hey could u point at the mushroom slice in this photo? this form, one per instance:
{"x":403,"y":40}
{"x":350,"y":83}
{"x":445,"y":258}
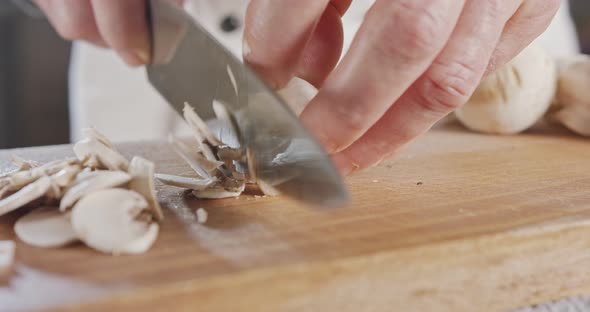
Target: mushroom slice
{"x":107,"y":220}
{"x":216,"y":193}
{"x":26,"y":195}
{"x":183,"y":182}
{"x":23,"y":164}
{"x":102,"y":180}
{"x":201,"y":165}
{"x":7,"y":249}
{"x":227,"y":132}
{"x":199,"y":126}
{"x":92,"y":133}
{"x":45,"y":227}
{"x":222,"y":189}
{"x":17,"y":180}
{"x":99,"y":156}
{"x":66,"y":176}
{"x":267,"y":189}
{"x":145,"y":242}
{"x":4,"y":191}
{"x":142,"y":173}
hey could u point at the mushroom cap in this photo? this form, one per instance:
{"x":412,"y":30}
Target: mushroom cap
{"x":100,"y":180}
{"x":572,"y":102}
{"x":45,"y":227}
{"x":513,"y":98}
{"x":142,"y":172}
{"x":107,"y":220}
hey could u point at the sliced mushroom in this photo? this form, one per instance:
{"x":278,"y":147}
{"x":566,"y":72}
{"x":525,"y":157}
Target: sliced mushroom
{"x":45,"y":227}
{"x":201,"y":132}
{"x":216,"y":193}
{"x":232,"y":78}
{"x":227,"y":131}
{"x":97,"y":155}
{"x":572,"y":102}
{"x":102,"y":180}
{"x":145,"y":242}
{"x":267,"y":189}
{"x":26,"y":195}
{"x":66,"y":176}
{"x":184,"y":182}
{"x":226,"y":188}
{"x":200,"y":164}
{"x":142,"y":173}
{"x":4,"y":191}
{"x":92,"y":133}
{"x":7,"y":252}
{"x":23,"y":164}
{"x":17,"y":180}
{"x":513,"y":98}
{"x":107,"y":221}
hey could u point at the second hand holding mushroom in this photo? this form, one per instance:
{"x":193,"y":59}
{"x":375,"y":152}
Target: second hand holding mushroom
{"x":410,"y":64}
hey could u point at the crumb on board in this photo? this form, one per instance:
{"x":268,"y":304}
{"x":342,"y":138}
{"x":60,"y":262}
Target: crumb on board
{"x":420,"y":183}
{"x":202,"y":215}
{"x":7,"y":248}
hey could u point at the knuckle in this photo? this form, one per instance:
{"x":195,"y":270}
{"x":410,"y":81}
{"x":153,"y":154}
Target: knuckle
{"x":353,"y":117}
{"x":448,"y":86}
{"x":352,"y":122}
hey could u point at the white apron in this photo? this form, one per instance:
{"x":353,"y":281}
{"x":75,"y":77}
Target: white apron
{"x":118,"y":100}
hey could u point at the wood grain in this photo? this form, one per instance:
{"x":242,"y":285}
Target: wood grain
{"x":457,"y":221}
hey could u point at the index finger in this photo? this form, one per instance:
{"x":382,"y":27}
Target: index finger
{"x":395,"y":45}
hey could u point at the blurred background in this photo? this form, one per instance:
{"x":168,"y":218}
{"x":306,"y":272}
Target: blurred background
{"x":34,"y":69}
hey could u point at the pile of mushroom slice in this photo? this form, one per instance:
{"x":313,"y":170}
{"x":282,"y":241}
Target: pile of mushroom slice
{"x":98,"y":198}
{"x":222,"y":166}
{"x":534,"y":86}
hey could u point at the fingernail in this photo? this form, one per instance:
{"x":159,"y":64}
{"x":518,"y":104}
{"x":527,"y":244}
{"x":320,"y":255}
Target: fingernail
{"x":131,"y":58}
{"x":144,"y":56}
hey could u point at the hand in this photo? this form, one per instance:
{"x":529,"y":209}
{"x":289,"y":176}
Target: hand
{"x":118,"y":24}
{"x":411,"y":63}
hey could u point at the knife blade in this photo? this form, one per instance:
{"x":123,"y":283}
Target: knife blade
{"x":190,"y":65}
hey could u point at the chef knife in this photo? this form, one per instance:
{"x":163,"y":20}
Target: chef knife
{"x":190,"y":65}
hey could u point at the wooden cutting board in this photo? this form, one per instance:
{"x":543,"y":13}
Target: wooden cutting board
{"x":458,"y":222}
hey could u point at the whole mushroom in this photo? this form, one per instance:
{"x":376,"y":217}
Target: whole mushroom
{"x":572,"y":101}
{"x":513,"y":98}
